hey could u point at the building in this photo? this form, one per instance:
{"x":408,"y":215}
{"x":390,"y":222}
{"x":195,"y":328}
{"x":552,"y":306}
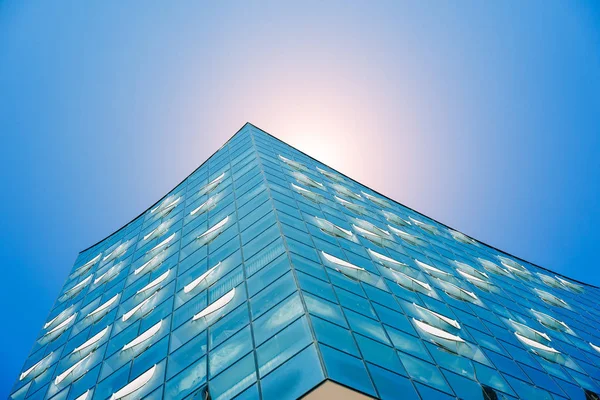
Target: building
{"x":266,"y":274}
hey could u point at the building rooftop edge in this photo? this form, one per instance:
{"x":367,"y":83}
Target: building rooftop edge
{"x":346,"y":176}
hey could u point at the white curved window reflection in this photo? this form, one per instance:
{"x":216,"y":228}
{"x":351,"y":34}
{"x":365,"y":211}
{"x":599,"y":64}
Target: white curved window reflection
{"x":60,"y":317}
{"x":348,"y":269}
{"x":212,"y":185}
{"x":75,"y":289}
{"x":144,"y":336}
{"x":355,"y":208}
{"x":433,"y":271}
{"x":458,"y":293}
{"x":343,"y":190}
{"x":548,"y":280}
{"x":340,"y":262}
{"x":38,"y":367}
{"x":407,"y":237}
{"x":167,"y":205}
{"x":436,"y":319}
{"x":492,"y":267}
{"x":570,"y":285}
{"x":58,"y":330}
{"x":387,"y":261}
{"x":427,"y":227}
{"x":332,"y":229}
{"x":117,"y":252}
{"x":308,"y":194}
{"x":164,"y":244}
{"x":597,"y":348}
{"x":551,"y":299}
{"x":134,"y":385}
{"x":155,"y":284}
{"x":92,"y":343}
{"x":432,"y":330}
{"x":515,"y":267}
{"x":104,"y":309}
{"x":536,"y":345}
{"x":376,"y":200}
{"x":293,"y":164}
{"x":109,"y":275}
{"x":395,"y":219}
{"x":206,"y":206}
{"x":85,"y":267}
{"x":191,"y":286}
{"x":331,"y":175}
{"x":85,"y":395}
{"x":307,"y":181}
{"x":461,"y":237}
{"x":362,"y":226}
{"x":478,"y":282}
{"x":550,"y":322}
{"x":217,"y":305}
{"x":158,"y":231}
{"x":530,"y":333}
{"x":72,"y":370}
{"x":150,"y":265}
{"x":138,"y":309}
{"x":470,"y":270}
{"x":213,"y":231}
{"x":410,"y":283}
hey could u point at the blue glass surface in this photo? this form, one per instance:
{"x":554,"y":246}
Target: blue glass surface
{"x":265,"y":273}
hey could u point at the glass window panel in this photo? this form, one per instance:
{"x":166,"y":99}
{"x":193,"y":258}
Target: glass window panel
{"x":294,"y":378}
{"x":230,"y":351}
{"x":334,"y":336}
{"x":234,"y":380}
{"x":277,"y":318}
{"x":424,"y":372}
{"x":282,"y":346}
{"x":392,"y":386}
{"x":347,"y":370}
{"x":272,"y":295}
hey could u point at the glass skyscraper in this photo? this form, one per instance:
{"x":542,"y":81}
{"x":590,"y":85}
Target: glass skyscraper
{"x":266,"y":274}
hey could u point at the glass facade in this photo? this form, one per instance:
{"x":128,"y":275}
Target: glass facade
{"x":265,"y":273}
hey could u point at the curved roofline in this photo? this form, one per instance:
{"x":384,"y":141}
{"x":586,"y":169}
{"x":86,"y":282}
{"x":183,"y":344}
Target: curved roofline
{"x":165,"y":196}
{"x":347,"y":177}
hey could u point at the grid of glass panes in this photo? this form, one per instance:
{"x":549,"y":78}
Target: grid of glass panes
{"x":370,"y":336}
{"x":200,"y":293}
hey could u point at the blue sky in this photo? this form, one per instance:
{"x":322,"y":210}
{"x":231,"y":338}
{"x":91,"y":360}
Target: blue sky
{"x":485,"y":117}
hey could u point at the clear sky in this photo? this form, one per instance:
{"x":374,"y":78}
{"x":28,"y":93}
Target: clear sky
{"x":485,"y":117}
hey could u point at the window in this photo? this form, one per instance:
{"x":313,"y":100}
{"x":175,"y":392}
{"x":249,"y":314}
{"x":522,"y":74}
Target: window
{"x":166,"y":206}
{"x":376,"y":200}
{"x":293,"y":164}
{"x":134,"y":385}
{"x":330,"y":175}
{"x":189,"y":287}
{"x":38,"y":367}
{"x":308,"y":194}
{"x":407,"y":237}
{"x":355,"y":208}
{"x":213,"y":231}
{"x":307,"y":181}
{"x":147,"y":335}
{"x":332,"y":229}
{"x":85,"y":267}
{"x":345,"y":191}
{"x":217,"y":305}
{"x":461,"y":237}
{"x":395,"y":219}
{"x":155,"y":284}
{"x":69,"y":294}
{"x":101,"y":311}
{"x":426,"y":227}
{"x":212,"y":185}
